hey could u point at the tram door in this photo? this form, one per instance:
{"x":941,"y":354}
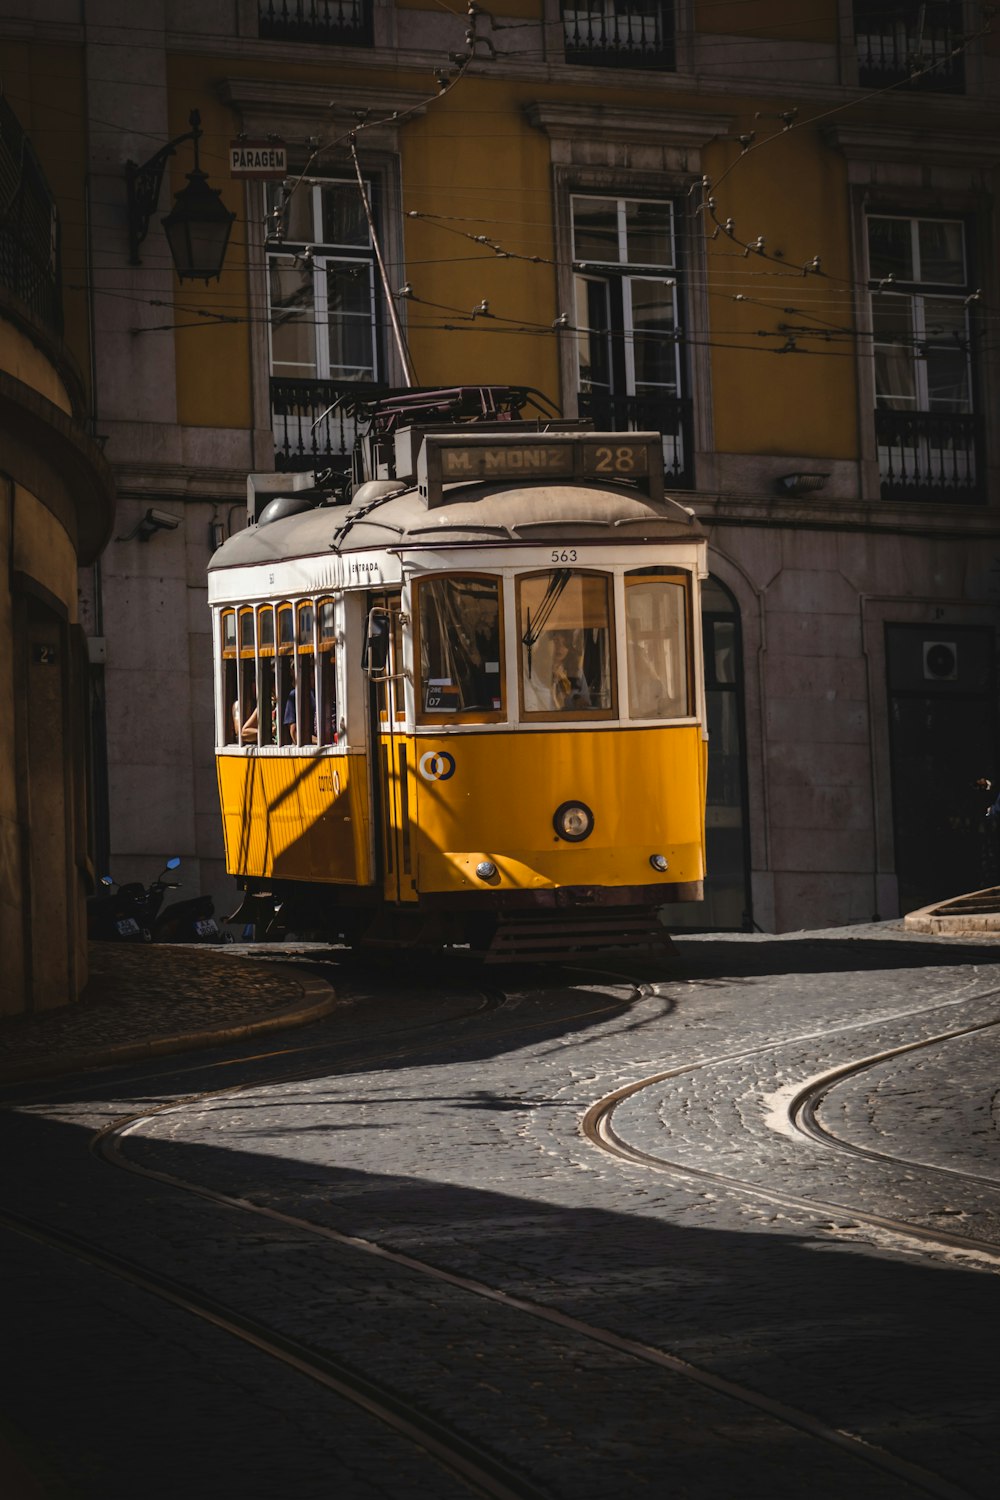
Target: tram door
{"x":390,"y":769}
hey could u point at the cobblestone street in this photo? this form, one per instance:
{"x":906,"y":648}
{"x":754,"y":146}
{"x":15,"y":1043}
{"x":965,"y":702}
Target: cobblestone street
{"x":768,"y":1266}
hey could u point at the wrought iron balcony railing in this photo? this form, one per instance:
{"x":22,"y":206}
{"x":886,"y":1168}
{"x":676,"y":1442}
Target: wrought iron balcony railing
{"x":930,"y":456}
{"x":314,"y":424}
{"x":29,"y":226}
{"x":900,"y":41}
{"x":342,"y":23}
{"x":670,"y":415}
{"x":619,"y":33}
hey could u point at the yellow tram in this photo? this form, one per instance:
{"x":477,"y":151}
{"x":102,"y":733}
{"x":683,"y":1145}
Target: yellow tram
{"x":467,"y":706}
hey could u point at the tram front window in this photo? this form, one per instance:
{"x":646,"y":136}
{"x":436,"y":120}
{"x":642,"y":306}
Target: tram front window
{"x":460,"y":647}
{"x":656,"y":615}
{"x":564,"y":621}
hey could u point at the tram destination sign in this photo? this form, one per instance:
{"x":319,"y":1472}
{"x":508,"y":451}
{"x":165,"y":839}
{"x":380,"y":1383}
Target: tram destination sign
{"x":633,"y":457}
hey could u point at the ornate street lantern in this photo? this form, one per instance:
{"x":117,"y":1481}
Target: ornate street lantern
{"x":198,"y":225}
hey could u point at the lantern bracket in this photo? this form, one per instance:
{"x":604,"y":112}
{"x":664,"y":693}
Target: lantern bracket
{"x":144,"y":184}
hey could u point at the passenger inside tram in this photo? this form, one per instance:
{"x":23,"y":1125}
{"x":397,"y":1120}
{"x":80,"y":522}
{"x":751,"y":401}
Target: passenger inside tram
{"x":555,"y":681}
{"x":292,"y":714}
{"x":250,"y":729}
{"x":565,"y":629}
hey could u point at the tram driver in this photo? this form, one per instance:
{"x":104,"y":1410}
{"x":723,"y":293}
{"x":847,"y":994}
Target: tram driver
{"x":555,"y":682}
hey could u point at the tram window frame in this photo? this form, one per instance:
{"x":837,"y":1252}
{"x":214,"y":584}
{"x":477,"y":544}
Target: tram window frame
{"x":283,"y":668}
{"x":390,"y":686}
{"x":477,"y":715}
{"x":246,"y":643}
{"x":674,"y":577}
{"x":287,"y":640}
{"x":229,"y":675}
{"x":589,"y":713}
{"x":305,"y":659}
{"x":326,"y":683}
{"x":267,"y":680}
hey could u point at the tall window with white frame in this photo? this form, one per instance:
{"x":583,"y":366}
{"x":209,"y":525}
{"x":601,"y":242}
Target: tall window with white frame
{"x":630,"y":369}
{"x":926,"y":424}
{"x":323,"y":318}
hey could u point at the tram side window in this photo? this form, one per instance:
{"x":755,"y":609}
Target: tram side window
{"x":230,"y":680}
{"x":245,"y":716}
{"x":300,"y":703}
{"x":279,"y":680}
{"x":326,"y":640}
{"x":284,"y":671}
{"x":659,"y":678}
{"x":565,"y":626}
{"x":258,"y":728}
{"x":460,"y":646}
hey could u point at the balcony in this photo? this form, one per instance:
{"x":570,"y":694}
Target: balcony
{"x":930,"y":457}
{"x":619,"y":33}
{"x":29,"y":227}
{"x":669,"y":415}
{"x":315,"y":424}
{"x":340,"y":23}
{"x":897,"y":38}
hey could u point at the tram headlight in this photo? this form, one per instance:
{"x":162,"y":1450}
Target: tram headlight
{"x":486,"y":869}
{"x":660,"y":863}
{"x":573,"y":821}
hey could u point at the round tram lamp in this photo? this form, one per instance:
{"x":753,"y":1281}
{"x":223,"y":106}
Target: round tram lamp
{"x":198,"y":225}
{"x":573,"y":821}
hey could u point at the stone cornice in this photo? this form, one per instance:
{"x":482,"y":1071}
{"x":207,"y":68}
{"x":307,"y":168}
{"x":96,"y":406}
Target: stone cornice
{"x":649,"y":126}
{"x":945,"y":522}
{"x":180,"y":482}
{"x":279,"y":105}
{"x":979,"y":146}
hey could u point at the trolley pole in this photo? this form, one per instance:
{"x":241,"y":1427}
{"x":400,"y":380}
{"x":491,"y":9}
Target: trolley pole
{"x":397,"y":331}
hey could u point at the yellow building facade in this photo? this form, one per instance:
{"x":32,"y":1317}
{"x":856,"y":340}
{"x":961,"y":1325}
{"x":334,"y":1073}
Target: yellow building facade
{"x":767,"y":231}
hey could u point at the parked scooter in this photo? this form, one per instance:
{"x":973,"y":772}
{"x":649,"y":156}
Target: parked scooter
{"x":117,"y":913}
{"x":131,"y":913}
{"x":191,"y":921}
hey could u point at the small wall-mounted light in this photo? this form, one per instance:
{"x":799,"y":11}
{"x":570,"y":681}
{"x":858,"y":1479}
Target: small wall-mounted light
{"x":153,"y":521}
{"x":801,"y":483}
{"x":198,"y":225}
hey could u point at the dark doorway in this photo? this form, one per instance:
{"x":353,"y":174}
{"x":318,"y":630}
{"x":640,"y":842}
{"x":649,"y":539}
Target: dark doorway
{"x":943,"y":735}
{"x":727,"y":903}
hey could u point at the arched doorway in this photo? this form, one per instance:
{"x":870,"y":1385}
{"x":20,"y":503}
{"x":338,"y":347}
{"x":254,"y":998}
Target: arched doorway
{"x":727,"y":904}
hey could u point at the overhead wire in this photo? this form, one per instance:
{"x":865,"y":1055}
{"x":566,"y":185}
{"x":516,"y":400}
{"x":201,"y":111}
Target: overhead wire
{"x":495,"y":250}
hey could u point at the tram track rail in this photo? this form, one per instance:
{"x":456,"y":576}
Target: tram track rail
{"x":476,"y":1465}
{"x":782,"y":1412}
{"x":483,"y":1472}
{"x":479,"y":1469}
{"x":801,"y":1109}
{"x":111,"y":1142}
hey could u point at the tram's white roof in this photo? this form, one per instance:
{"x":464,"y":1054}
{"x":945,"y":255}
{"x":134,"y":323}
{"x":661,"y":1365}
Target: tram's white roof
{"x":383,"y":516}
